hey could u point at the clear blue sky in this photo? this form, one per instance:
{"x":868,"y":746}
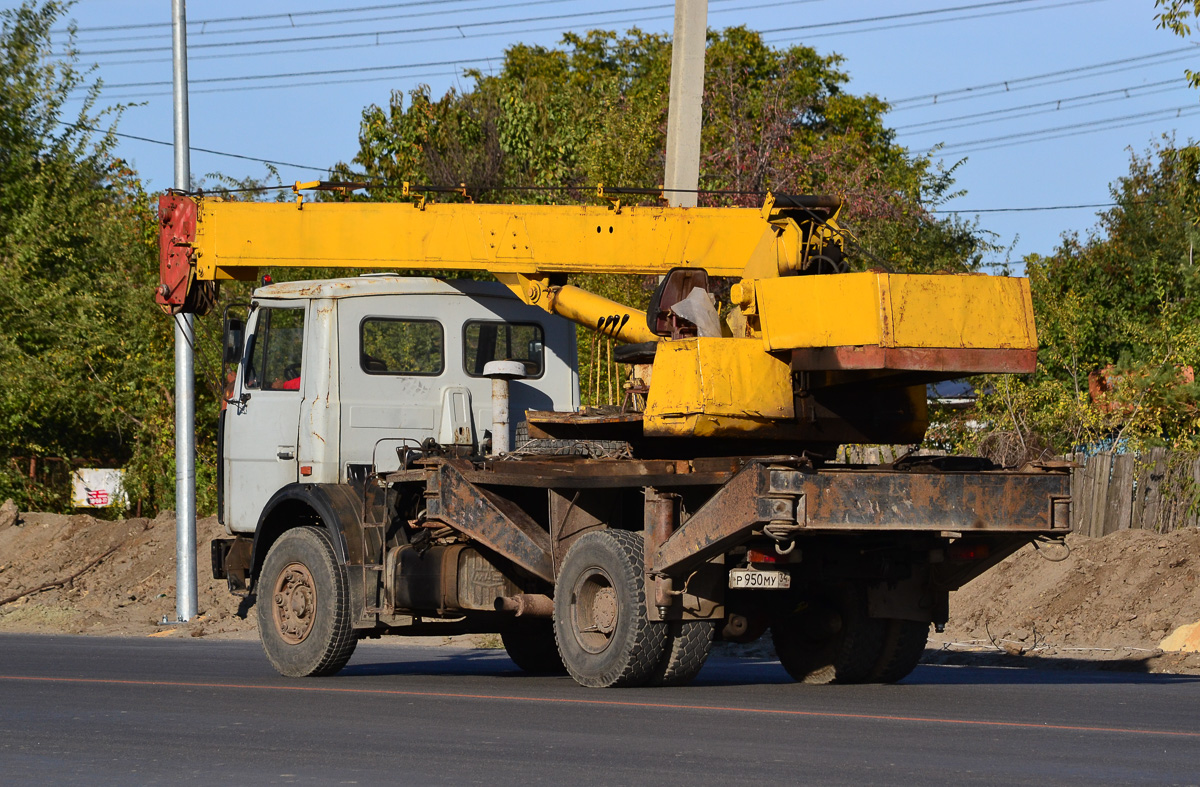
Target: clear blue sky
{"x":1057,"y":133}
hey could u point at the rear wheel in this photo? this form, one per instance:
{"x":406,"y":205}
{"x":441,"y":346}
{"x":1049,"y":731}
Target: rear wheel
{"x":604,"y":636}
{"x":688,"y":644}
{"x":830,"y":639}
{"x":304,"y":606}
{"x":531,"y":646}
{"x":903,"y":646}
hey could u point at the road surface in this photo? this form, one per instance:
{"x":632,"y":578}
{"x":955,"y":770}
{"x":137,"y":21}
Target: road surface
{"x":77,"y":710}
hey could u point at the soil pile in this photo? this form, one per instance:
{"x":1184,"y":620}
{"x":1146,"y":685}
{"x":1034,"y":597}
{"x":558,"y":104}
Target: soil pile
{"x":106,"y":577}
{"x":1109,"y":599}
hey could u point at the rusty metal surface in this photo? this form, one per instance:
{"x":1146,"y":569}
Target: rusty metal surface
{"x":882,"y":500}
{"x":576,"y":472}
{"x":770,"y":497}
{"x":588,"y":424}
{"x":955,"y":360}
{"x":727,"y":518}
{"x":575,"y":512}
{"x":488,"y":518}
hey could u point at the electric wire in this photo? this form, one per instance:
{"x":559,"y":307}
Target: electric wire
{"x":1141,"y":90}
{"x":319,"y":12}
{"x":325,"y":22}
{"x":377,"y":33}
{"x":432,"y":39}
{"x":1006,"y":85}
{"x":322,"y":72}
{"x":1102,"y":124}
{"x":122,"y":135}
{"x":928,"y":22}
{"x":904,"y":15}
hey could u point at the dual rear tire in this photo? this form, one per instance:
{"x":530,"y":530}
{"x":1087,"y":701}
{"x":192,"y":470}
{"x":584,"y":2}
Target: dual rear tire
{"x":601,"y":625}
{"x":832,"y":639}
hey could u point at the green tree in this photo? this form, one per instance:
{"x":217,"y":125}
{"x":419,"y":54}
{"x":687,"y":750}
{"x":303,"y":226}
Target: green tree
{"x":85,"y":357}
{"x":1174,"y":15}
{"x":1119,"y":312}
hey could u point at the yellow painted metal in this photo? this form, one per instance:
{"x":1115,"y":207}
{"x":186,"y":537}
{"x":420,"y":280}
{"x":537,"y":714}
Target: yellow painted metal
{"x":580,"y":306}
{"x":600,"y":314}
{"x":892,"y":311}
{"x":716,"y":387}
{"x":519,"y":239}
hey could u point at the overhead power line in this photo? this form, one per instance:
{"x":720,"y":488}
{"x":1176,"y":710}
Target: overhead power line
{"x":1039,"y":109}
{"x":1058,"y":132}
{"x":1006,"y":85}
{"x":282,"y":85}
{"x":275,"y":162}
{"x":1090,"y":206}
{"x":378,"y":33}
{"x":322,"y":72}
{"x":665,"y":14}
{"x":892,"y":26}
{"x":151,"y":141}
{"x":891,"y":17}
{"x":198,"y":29}
{"x":457,"y":36}
{"x":220,"y":20}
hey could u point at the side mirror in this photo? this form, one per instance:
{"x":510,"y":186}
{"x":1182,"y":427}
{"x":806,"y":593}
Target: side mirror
{"x":235,"y":338}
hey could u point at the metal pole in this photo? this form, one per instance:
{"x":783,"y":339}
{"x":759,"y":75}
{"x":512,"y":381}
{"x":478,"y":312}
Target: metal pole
{"x":684,"y":107}
{"x":185,"y":337}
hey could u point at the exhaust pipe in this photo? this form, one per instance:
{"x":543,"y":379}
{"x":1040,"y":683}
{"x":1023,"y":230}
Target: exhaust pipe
{"x":530,"y":605}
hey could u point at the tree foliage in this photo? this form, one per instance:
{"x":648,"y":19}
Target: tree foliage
{"x":1175,"y":15}
{"x":1118,"y":317}
{"x":85,"y":357}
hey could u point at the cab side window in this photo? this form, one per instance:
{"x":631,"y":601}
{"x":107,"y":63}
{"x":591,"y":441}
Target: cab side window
{"x":397,"y":346}
{"x":486,"y":340}
{"x":275,"y":351}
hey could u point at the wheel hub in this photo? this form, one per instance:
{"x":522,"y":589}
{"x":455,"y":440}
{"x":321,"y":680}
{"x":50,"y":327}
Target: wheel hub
{"x":595,"y":611}
{"x":295,"y":603}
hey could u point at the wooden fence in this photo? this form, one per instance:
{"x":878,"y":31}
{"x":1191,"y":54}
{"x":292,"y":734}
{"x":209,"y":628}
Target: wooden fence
{"x":1158,"y":490}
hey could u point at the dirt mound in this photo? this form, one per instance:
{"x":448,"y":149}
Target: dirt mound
{"x":1115,"y":597}
{"x":106,"y":577}
{"x":1108,"y":599}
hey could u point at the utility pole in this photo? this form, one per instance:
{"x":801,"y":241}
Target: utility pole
{"x":683,"y":109}
{"x":185,"y":338}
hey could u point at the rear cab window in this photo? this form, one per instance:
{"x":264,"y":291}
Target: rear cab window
{"x":496,"y":340}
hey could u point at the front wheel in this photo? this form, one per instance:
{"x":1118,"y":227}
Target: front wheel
{"x":304,"y":606}
{"x":600,"y":622}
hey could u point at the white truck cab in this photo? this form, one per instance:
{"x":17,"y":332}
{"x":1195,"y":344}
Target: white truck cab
{"x":337,"y":377}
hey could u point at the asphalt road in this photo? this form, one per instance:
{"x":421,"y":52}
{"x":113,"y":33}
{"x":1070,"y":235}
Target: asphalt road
{"x":143,"y":711}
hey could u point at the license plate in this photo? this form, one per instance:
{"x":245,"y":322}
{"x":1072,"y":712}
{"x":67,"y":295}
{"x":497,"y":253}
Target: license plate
{"x":761,"y":580}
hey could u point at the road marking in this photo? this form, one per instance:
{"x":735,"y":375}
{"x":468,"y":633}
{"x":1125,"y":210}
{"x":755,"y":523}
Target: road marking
{"x":1028,"y":725}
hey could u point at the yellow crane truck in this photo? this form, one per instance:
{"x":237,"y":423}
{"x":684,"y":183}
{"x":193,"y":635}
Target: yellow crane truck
{"x":408,"y":455}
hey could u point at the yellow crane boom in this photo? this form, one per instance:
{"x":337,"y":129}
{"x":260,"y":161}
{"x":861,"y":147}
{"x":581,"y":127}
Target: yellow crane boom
{"x":797,"y":333}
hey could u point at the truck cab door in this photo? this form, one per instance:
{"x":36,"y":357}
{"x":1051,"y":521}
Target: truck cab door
{"x":261,"y":422}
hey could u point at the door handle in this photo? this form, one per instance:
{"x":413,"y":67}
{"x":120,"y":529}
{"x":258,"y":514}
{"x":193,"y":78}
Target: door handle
{"x":286,"y":452}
